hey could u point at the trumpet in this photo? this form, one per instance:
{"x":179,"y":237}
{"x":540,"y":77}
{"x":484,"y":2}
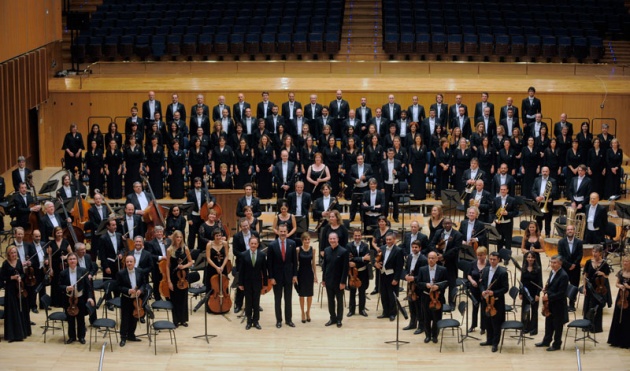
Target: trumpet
{"x":546,"y":195}
{"x":500,"y":213}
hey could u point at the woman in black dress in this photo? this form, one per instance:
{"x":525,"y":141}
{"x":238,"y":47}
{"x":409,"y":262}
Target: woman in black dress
{"x":456,"y":135}
{"x":155,"y":167}
{"x":374,"y":156}
{"x":222,"y":154}
{"x":287,"y":145}
{"x":551,"y":159}
{"x":17,"y":320}
{"x":434,"y":143}
{"x":335,"y":224}
{"x":475,"y":138}
{"x":389,"y":138}
{"x":72,"y":147}
{"x":486,"y":157}
{"x":474,"y":279}
{"x":175,"y":221}
{"x":154,"y":131}
{"x":179,"y":260}
{"x":95,"y":134}
{"x":112,"y":133}
{"x":596,"y":167}
{"x":316,"y":175}
{"x":443,"y":162}
{"x":418,"y":168}
{"x":174,"y":135}
{"x":197,"y":159}
{"x":264,"y":159}
{"x":530,"y":166}
{"x":94,"y":165}
{"x":532,"y":242}
{"x":572,"y":161}
{"x":307,"y":155}
{"x":243,"y":169}
{"x":59,"y":249}
{"x":322,"y":140}
{"x":542,"y":142}
{"x":132,"y":164}
{"x":349,"y":155}
{"x":135,"y":133}
{"x":307,"y":276}
{"x":251,"y":219}
{"x":332,"y":159}
{"x":223,"y":180}
{"x":620,"y":325}
{"x":614,"y":159}
{"x":176,"y":170}
{"x":596,"y":272}
{"x":235,"y":138}
{"x":461,"y":162}
{"x":435,"y":221}
{"x":217,"y":251}
{"x":284,"y":217}
{"x":216,"y":134}
{"x":300,"y":142}
{"x":400,"y":154}
{"x":367,"y":139}
{"x":350,"y":134}
{"x":278,"y":139}
{"x":564,"y":144}
{"x":508,"y":156}
{"x":531,"y":278}
{"x":113,"y":170}
{"x":410,"y":138}
{"x":585,"y":139}
{"x":497,"y":141}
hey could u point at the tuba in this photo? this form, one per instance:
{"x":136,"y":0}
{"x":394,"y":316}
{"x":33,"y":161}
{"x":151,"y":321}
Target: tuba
{"x":546,"y":195}
{"x":576,"y":220}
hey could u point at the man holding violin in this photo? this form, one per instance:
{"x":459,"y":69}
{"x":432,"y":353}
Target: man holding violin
{"x":360,"y":260}
{"x":415,"y":260}
{"x":555,"y":301}
{"x":75,"y":283}
{"x":431,"y":281}
{"x":130,"y":284}
{"x":494,"y":285}
{"x":30,"y":261}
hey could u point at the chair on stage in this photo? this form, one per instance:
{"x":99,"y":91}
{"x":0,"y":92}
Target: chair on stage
{"x":53,"y":318}
{"x":105,"y":325}
{"x":585,"y":325}
{"x":155,"y":327}
{"x":452,"y":324}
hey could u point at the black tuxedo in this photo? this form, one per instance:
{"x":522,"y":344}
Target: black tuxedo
{"x":133,"y":198}
{"x":370,"y":220}
{"x":252,"y":278}
{"x":583,"y":191}
{"x":317,"y":129}
{"x":306,"y":204}
{"x":194,"y":124}
{"x":318,"y":207}
{"x":453,"y":111}
{"x":416,"y":319}
{"x":286,"y":114}
{"x":431,"y":317}
{"x":21,"y":209}
{"x":503,"y":113}
{"x":359,"y":115}
{"x":362,"y":266}
{"x":381,"y":124}
{"x":194,"y":215}
{"x":477,"y":229}
{"x":600,"y":223}
{"x":557,"y":129}
{"x":466,"y":128}
{"x":156,"y":253}
{"x":506,"y":227}
{"x":109,"y":254}
{"x":391,"y":271}
{"x":269,"y":123}
{"x":570,"y":258}
{"x":506,"y":129}
{"x":479,"y":109}
{"x":123,"y":285}
{"x":146,"y":111}
{"x":442,"y":113}
{"x":170,"y":110}
{"x":30,"y":254}
{"x":500,"y":287}
{"x":311,"y":113}
{"x":390,"y":189}
{"x":335,"y":273}
{"x":424,"y":244}
{"x":236,"y":111}
{"x":490,"y":126}
{"x":386,"y":113}
{"x":425,"y":129}
{"x":485,"y":204}
{"x":529,"y":109}
{"x":260,"y":109}
{"x":450,"y":256}
{"x":242,"y":202}
{"x":496,"y":184}
{"x":90,"y":264}
{"x":145,"y":263}
{"x":283,"y":272}
{"x":17,"y":179}
{"x":138,"y":227}
{"x":217,"y":112}
{"x":535,"y":192}
{"x":421,"y":114}
{"x":280,"y":178}
{"x":46,"y":227}
{"x":557,"y":295}
{"x":76,"y":325}
{"x":467,"y":176}
{"x":193,"y":111}
{"x":351,"y":178}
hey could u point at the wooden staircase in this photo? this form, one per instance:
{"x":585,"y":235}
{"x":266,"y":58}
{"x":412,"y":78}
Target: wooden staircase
{"x":616,"y":52}
{"x":362,"y":32}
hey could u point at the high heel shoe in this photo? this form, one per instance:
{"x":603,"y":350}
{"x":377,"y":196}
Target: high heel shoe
{"x":308,"y":317}
{"x":303,"y":318}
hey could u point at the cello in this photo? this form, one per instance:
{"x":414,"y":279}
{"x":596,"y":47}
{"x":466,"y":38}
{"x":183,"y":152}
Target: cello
{"x":33,"y":218}
{"x":220,"y":302}
{"x":154,"y":213}
{"x":205,"y":208}
{"x":79,"y":212}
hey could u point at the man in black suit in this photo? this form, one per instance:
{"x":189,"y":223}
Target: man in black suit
{"x":494,"y":282}
{"x":282,"y":267}
{"x":131,"y":225}
{"x":139,"y":199}
{"x":571,"y":250}
{"x":390,"y":270}
{"x":391,"y":170}
{"x":313,"y":110}
{"x":391,"y":110}
{"x":284,"y":173}
{"x":372,"y":204}
{"x":415,"y":235}
{"x":67,"y":189}
{"x":324,"y":119}
{"x":431,"y":278}
{"x":596,"y":221}
{"x":428,"y":125}
{"x":364,"y":113}
{"x":199,"y":120}
{"x":339,"y":110}
{"x":472,"y":174}
{"x":481,"y":106}
{"x":134,"y":119}
{"x":538,"y":194}
{"x":97,"y":213}
{"x":298,"y":123}
{"x":20,"y":175}
{"x":529,"y":108}
{"x":158,"y":247}
{"x":111,"y":248}
{"x":50,"y":220}
{"x":509,"y":103}
{"x":489,"y":122}
{"x":198,"y":198}
{"x":360,"y":259}
{"x":181,"y":124}
{"x":150,"y":107}
{"x":200,"y":103}
{"x":557,"y":127}
{"x":453,"y":110}
{"x":263,"y":109}
{"x":175,"y":106}
{"x":72,"y":282}
{"x":359,"y":175}
{"x":22,"y":201}
{"x":272,"y":121}
{"x":472,"y":230}
{"x":250,"y":124}
{"x":448,"y":254}
{"x":351,"y":122}
{"x":130,"y":284}
{"x":289,"y":113}
{"x":85,"y":261}
{"x":415,"y":261}
{"x":217,"y":111}
{"x":502,"y":177}
{"x":462,"y":121}
{"x":482,"y":199}
{"x":252,"y":277}
{"x":441,"y":108}
{"x":579,"y":190}
{"x":556,"y":294}
{"x":299,"y":202}
{"x":29,"y":258}
{"x":143,"y":258}
{"x":334,"y":277}
{"x":416,"y":111}
{"x":505,"y":225}
{"x":238,"y":109}
{"x":248,"y":200}
{"x":226,"y":121}
{"x":42,"y":256}
{"x":510,"y":121}
{"x":380,"y":122}
{"x":241,"y":243}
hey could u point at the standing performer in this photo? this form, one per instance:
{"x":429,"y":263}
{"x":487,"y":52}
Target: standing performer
{"x":432,"y":281}
{"x":571,"y":251}
{"x":531,"y":278}
{"x":252,"y":278}
{"x":597,"y":287}
{"x":282,"y":266}
{"x":620,"y":326}
{"x":307,"y":275}
{"x":75,"y":283}
{"x":240,"y":244}
{"x":179,"y":261}
{"x":494,"y":285}
{"x":415,"y":261}
{"x":334,"y":276}
{"x":359,"y":257}
{"x":130,"y":284}
{"x":17,"y":321}
{"x":446,"y":243}
{"x":390,"y":268}
{"x":505,"y":219}
{"x":555,"y":294}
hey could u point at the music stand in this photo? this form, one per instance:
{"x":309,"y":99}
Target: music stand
{"x":491,"y":233}
{"x":102,"y":227}
{"x":406,"y":201}
{"x":531,"y":208}
{"x":185,"y":208}
{"x":68,"y":203}
{"x":450,"y":201}
{"x":399,"y":309}
{"x":49,"y":187}
{"x":205,"y":319}
{"x":301,"y":225}
{"x":473,"y":299}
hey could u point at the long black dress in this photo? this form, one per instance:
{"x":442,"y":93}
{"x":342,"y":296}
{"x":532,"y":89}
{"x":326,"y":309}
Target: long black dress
{"x":592,"y":299}
{"x":306,"y":279}
{"x":596,"y":162}
{"x":217,"y":258}
{"x":530,"y":159}
{"x":461,"y":162}
{"x":315,"y":175}
{"x":433,"y":229}
{"x":220,"y":183}
{"x":197,"y":159}
{"x":307,"y":158}
{"x":73,"y":142}
{"x":94,"y":163}
{"x":486,"y":157}
{"x":175,"y":223}
{"x":176,"y":164}
{"x":17,"y":321}
{"x":179,"y":298}
{"x":374,"y":157}
{"x":155,"y":161}
{"x":442,"y":157}
{"x":133,"y":159}
{"x":57,"y":297}
{"x":114,"y":161}
{"x":332,"y":159}
{"x":620,"y":326}
{"x":417,"y":162}
{"x":349,"y":159}
{"x":613,"y":186}
{"x":264,"y":159}
{"x":244,"y":164}
{"x":475,"y":273}
{"x":531,"y":281}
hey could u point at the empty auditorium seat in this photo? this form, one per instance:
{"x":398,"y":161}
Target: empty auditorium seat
{"x":517,"y":44}
{"x":237,"y":43}
{"x":110,"y":47}
{"x":189,"y":44}
{"x":142,"y":47}
{"x":471,"y":45}
{"x":332,"y":42}
{"x":455,"y":45}
{"x":423,"y":43}
{"x":284,"y":43}
{"x":438,"y":43}
{"x":174,"y":45}
{"x":252,"y":43}
{"x":580,"y":47}
{"x":95,"y":48}
{"x":486,"y":44}
{"x":533,"y":46}
{"x":390,"y":43}
{"x":596,"y":48}
{"x":315,"y":42}
{"x":206,"y":42}
{"x":549,"y":47}
{"x":565,"y":47}
{"x":299,"y":43}
{"x":407,"y":41}
{"x":221,"y":43}
{"x":158,"y":46}
{"x":268,"y":43}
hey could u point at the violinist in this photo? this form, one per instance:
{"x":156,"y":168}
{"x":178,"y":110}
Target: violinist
{"x":85,"y":261}
{"x":17,"y":321}
{"x":198,"y":198}
{"x":131,"y":224}
{"x":159,"y":246}
{"x":472,"y":230}
{"x":531,"y":278}
{"x":50,"y":221}
{"x":111,"y":252}
{"x":130,"y":284}
{"x":252,"y":278}
{"x":139,"y":198}
{"x":474,"y":277}
{"x":42,"y":257}
{"x":390,"y":271}
{"x":59,"y":249}
{"x":494,"y":284}
{"x":431,"y":281}
{"x":144,"y":260}
{"x":414,"y":262}
{"x":240,"y":244}
{"x":74,"y":281}
{"x":334,"y":278}
{"x":597,"y":287}
{"x":22,"y":207}
{"x":555,"y":294}
{"x":448,"y":255}
{"x":360,"y":260}
{"x":179,"y":261}
{"x":620,"y":326}
{"x":30,"y":260}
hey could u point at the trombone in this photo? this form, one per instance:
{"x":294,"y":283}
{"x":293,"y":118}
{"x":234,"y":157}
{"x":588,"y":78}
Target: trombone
{"x":546,"y":195}
{"x":469,"y":188}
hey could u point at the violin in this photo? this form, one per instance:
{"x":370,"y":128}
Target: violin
{"x":411,"y":289}
{"x":138,"y":307}
{"x":353,"y":275}
{"x":73,"y":299}
{"x":29,"y":273}
{"x":182,"y":283}
{"x":491,"y":311}
{"x":435,"y":303}
{"x":600,"y":282}
{"x":623,"y":299}
{"x":164,"y":290}
{"x":545,"y":309}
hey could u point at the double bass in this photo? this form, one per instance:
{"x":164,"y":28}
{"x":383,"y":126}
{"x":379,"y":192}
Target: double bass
{"x":154,"y":213}
{"x":33,"y":218}
{"x":80,"y":211}
{"x":75,"y":232}
{"x":205,"y":208}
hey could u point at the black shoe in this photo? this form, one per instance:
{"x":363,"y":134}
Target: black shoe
{"x":70,"y":341}
{"x":237,"y":309}
{"x":482,"y":332}
{"x":142,"y":320}
{"x":123,"y":342}
{"x":329,"y":323}
{"x":494,"y":348}
{"x":185,"y":324}
{"x":382,"y":316}
{"x":82,"y":341}
{"x":290,"y":324}
{"x":338,"y":323}
{"x":552,"y":349}
{"x":134,"y":339}
{"x":472,"y":329}
{"x":395,"y":220}
{"x":435,"y":339}
{"x":34,"y":310}
{"x":485,"y":344}
{"x":248,"y":326}
{"x":374,"y":292}
{"x":278,"y":324}
{"x":533,"y":333}
{"x":363,"y":313}
{"x":541,"y":345}
{"x":260,"y":309}
{"x":257,"y":325}
{"x":350,"y":314}
{"x":427,"y":339}
{"x":392,"y":318}
{"x":409,"y":327}
{"x":418,"y":331}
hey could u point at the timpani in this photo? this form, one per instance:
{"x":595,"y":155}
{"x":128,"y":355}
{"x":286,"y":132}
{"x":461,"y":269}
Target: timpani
{"x":551,"y":246}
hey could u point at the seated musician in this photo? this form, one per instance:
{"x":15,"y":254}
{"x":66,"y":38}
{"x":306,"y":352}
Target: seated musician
{"x":432,"y":278}
{"x":482,"y":199}
{"x":359,"y":258}
{"x":139,"y":198}
{"x":596,"y":220}
{"x":473,"y":231}
{"x":130,"y":284}
{"x":248,"y":200}
{"x":74,"y":281}
{"x":371,"y":204}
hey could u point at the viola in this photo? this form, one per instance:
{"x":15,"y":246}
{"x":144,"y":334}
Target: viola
{"x":545,"y":309}
{"x":435,"y":303}
{"x":411,"y":289}
{"x":623,"y":299}
{"x":73,"y":299}
{"x":138,"y":307}
{"x":491,"y":311}
{"x":164,"y":290}
{"x":353,"y":274}
{"x":29,"y":273}
{"x":600,"y":286}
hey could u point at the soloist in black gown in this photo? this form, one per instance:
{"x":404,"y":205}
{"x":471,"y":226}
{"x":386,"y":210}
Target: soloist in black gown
{"x":305,"y":273}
